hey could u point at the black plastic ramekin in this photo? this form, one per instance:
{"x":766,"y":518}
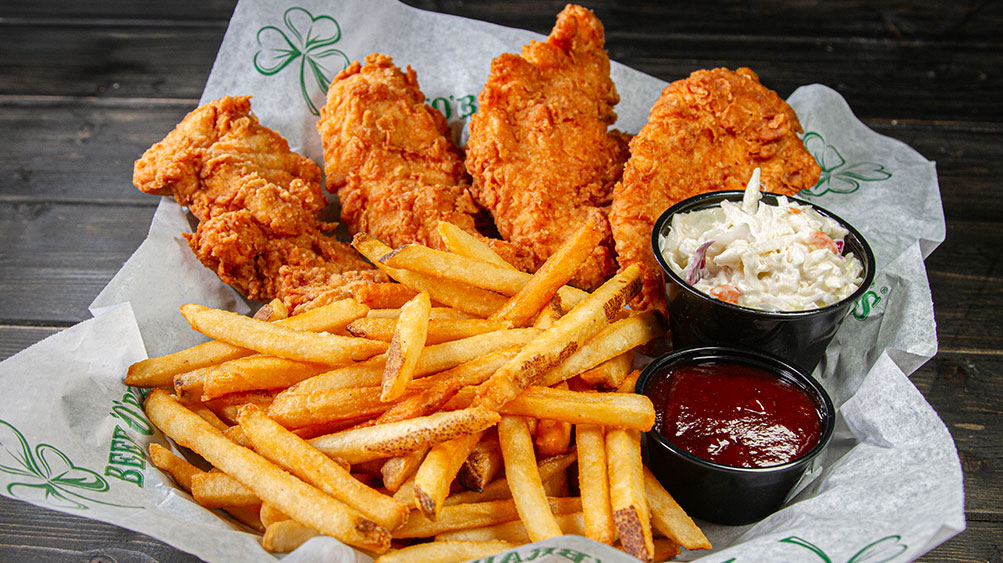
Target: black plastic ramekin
{"x":721,"y":493}
{"x":800,"y":337}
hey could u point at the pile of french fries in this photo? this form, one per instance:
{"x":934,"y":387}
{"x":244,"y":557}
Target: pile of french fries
{"x":440,"y":407}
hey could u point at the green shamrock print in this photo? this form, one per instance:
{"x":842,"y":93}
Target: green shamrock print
{"x":309,"y":39}
{"x":880,"y":551}
{"x":46,"y":473}
{"x":838,"y":176}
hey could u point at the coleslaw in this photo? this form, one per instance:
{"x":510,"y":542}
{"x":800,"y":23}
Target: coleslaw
{"x":784,"y":257}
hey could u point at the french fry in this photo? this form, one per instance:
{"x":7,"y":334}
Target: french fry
{"x":218,"y":490}
{"x":269,"y":514}
{"x":462,"y":516}
{"x":627,"y":495}
{"x":610,"y":373}
{"x":399,"y":469}
{"x":274,"y":310}
{"x":445,"y":552}
{"x":559,"y":342}
{"x":179,"y":470}
{"x":384,"y":295}
{"x":257,"y":372}
{"x":549,"y":315}
{"x":665,"y":549}
{"x":523,"y":477}
{"x":433,"y":359}
{"x":236,"y":435}
{"x":483,"y":464}
{"x":226,"y":407}
{"x":297,"y":410}
{"x":294,"y":454}
{"x":160,"y":371}
{"x":431,"y":483}
{"x":406,"y":346}
{"x":454,"y":294}
{"x":559,"y":268}
{"x":249,"y":516}
{"x":669,"y":519}
{"x":616,"y":410}
{"x":398,"y":438}
{"x":463,"y":243}
{"x":290,"y":495}
{"x":188,"y":386}
{"x":437,"y":314}
{"x":210,"y":417}
{"x":553,"y":437}
{"x":513,"y":531}
{"x":593,"y":482}
{"x":618,"y":338}
{"x":629,"y":382}
{"x":439,"y":330}
{"x":276,"y":340}
{"x":558,"y":485}
{"x":286,"y":535}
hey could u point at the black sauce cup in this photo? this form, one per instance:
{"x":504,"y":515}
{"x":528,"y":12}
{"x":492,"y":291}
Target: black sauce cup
{"x":720,"y":493}
{"x":697,"y":319}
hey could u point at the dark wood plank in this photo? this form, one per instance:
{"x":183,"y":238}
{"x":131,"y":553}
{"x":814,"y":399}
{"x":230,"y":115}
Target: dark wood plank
{"x":72,"y":150}
{"x":29,"y":533}
{"x":61,"y":255}
{"x":13,"y":339}
{"x":175,"y":11}
{"x":979,"y":543}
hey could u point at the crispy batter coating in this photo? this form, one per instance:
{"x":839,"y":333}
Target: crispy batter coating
{"x":389,"y":158}
{"x":705,"y":133}
{"x":257,"y":204}
{"x":540,"y":152}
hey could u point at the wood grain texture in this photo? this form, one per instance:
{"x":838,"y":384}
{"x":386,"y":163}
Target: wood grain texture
{"x":86,"y":87}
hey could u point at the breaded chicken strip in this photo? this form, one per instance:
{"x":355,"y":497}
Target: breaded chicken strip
{"x":257,"y":204}
{"x":542,"y":159}
{"x":705,"y":133}
{"x":389,"y":158}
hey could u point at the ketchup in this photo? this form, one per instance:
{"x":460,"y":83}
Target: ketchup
{"x":735,"y":415}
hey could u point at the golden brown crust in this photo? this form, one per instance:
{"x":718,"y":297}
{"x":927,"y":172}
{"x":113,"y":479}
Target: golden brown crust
{"x":705,"y":133}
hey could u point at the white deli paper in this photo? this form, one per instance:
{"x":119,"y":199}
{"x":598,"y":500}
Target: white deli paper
{"x":889,"y":488}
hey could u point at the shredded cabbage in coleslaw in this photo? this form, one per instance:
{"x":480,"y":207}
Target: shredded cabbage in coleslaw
{"x":784,"y":257}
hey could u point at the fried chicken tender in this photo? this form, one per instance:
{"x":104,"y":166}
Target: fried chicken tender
{"x":540,"y":152}
{"x":705,"y":133}
{"x":257,"y":204}
{"x":389,"y":158}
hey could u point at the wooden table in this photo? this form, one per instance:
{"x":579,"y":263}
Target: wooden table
{"x":85,"y":87}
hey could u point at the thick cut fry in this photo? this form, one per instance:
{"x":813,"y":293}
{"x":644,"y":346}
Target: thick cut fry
{"x":286,"y":535}
{"x":436,"y":474}
{"x":274,"y":310}
{"x":210,"y":417}
{"x":610,"y":373}
{"x":483,"y":464}
{"x":384,"y":295}
{"x":179,"y":470}
{"x":247,"y":515}
{"x":553,"y":436}
{"x":499,"y":489}
{"x":406,"y":346}
{"x":269,"y":515}
{"x":618,"y":338}
{"x":445,"y":552}
{"x":669,"y":519}
{"x":665,"y":549}
{"x":297,"y":410}
{"x":399,"y":438}
{"x":439,"y":330}
{"x":437,"y":314}
{"x":399,"y":469}
{"x":462,"y":516}
{"x":219,"y":490}
{"x":188,"y":386}
{"x":626,"y":491}
{"x":276,"y":340}
{"x":463,"y":243}
{"x":560,"y":341}
{"x":457,"y":295}
{"x":514,"y":531}
{"x":593,"y":482}
{"x":559,"y":268}
{"x":294,"y":454}
{"x":226,"y":407}
{"x":433,"y":359}
{"x":290,"y":495}
{"x":256,"y":372}
{"x":524,"y":479}
{"x":160,"y":371}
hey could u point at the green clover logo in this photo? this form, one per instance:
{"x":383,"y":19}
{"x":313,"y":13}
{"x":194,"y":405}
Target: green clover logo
{"x":838,"y":176}
{"x":309,"y":39}
{"x":46,"y":474}
{"x":880,"y":551}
